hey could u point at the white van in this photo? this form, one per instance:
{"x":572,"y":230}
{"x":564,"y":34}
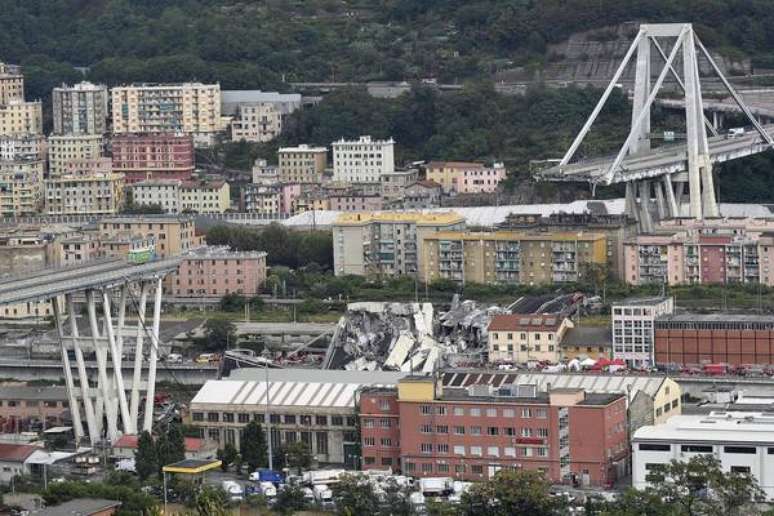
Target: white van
{"x":233,"y":490}
{"x":736,"y":132}
{"x":323,"y":495}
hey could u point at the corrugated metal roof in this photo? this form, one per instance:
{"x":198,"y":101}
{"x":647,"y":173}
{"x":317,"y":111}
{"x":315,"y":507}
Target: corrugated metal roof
{"x":293,"y":387}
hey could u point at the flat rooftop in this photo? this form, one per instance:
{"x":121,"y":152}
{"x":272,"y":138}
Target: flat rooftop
{"x":722,"y":427}
{"x":718,"y":317}
{"x":645,"y":301}
{"x":357,"y":218}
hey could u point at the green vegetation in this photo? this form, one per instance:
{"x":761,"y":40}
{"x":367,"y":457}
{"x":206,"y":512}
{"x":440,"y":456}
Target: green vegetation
{"x":253,"y":447}
{"x":151,"y":456}
{"x":133,"y":500}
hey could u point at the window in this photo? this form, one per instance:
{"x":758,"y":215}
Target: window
{"x":426,"y":429}
{"x":526,"y":432}
{"x":526,"y":413}
{"x":199,"y":416}
{"x":290,"y":436}
{"x":654,"y":467}
{"x":274,"y":418}
{"x":213,"y":417}
{"x":213,"y":434}
{"x":459,"y":450}
{"x":654,"y":447}
{"x":386,"y":441}
{"x":369,"y":441}
{"x":542,"y":432}
{"x":426,"y":447}
{"x":459,"y":468}
{"x":244,"y":418}
{"x":459,"y":411}
{"x":427,"y":467}
{"x":411,"y":467}
{"x":739,"y":449}
{"x":527,"y":452}
{"x":384,"y":405}
{"x":475,"y":412}
{"x":509,"y":412}
{"x":321,"y":420}
{"x":368,"y":423}
{"x":443,"y":448}
{"x":460,"y":430}
{"x":695,"y":448}
{"x":369,"y":460}
{"x":290,"y":419}
{"x":386,"y":461}
{"x":351,"y":420}
{"x":542,"y":452}
{"x":493,"y":430}
{"x":475,"y":430}
{"x":441,"y":411}
{"x":475,"y":451}
{"x":491,"y":412}
{"x":337,"y":420}
{"x":306,"y":420}
{"x":509,"y":431}
{"x":442,"y":468}
{"x":541,"y":413}
{"x":385,"y":423}
{"x":322,"y":442}
{"x":493,"y":451}
{"x":509,"y":451}
{"x":426,"y":409}
{"x":740,"y":469}
{"x":442,"y":429}
{"x":477,"y":469}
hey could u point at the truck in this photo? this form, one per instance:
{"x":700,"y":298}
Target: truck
{"x":436,"y":486}
{"x":322,"y":476}
{"x":267,"y":489}
{"x":323,"y":496}
{"x":234,"y":490}
{"x":735,"y":132}
{"x":267,"y":475}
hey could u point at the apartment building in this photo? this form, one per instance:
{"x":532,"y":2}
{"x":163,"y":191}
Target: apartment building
{"x":85,"y":192}
{"x":691,"y":340}
{"x":18,"y":117}
{"x":32,"y":407}
{"x":634,"y":328}
{"x":80,"y":248}
{"x":616,"y":228}
{"x":524,"y":338}
{"x":257,"y":116}
{"x":23,"y":147}
{"x":394,"y":184}
{"x":163,"y":193}
{"x":302,"y":164}
{"x":205,"y":196}
{"x":153,"y":156}
{"x":703,"y":256}
{"x":266,"y":200}
{"x":363,"y":160}
{"x":321,"y":412}
{"x":465,"y":177}
{"x":80,"y":109}
{"x":743,"y":442}
{"x":513,"y":257}
{"x":173,"y":234}
{"x":265,"y":174}
{"x":472,"y":432}
{"x":22,"y":187}
{"x":11,"y":84}
{"x":214,"y":271}
{"x":421,"y":195}
{"x":354,"y":200}
{"x":386,"y":243}
{"x":190,"y":108}
{"x":65,"y":148}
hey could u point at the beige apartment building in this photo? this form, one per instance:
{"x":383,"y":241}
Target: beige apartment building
{"x":11,"y":84}
{"x":205,"y":197}
{"x":19,"y":117}
{"x":522,"y":338}
{"x":386,"y":243}
{"x":65,"y":148}
{"x":302,"y":164}
{"x":445,"y":173}
{"x":22,"y":147}
{"x":22,"y":187}
{"x":512,"y":257}
{"x":163,"y":193}
{"x":191,"y":108}
{"x":257,"y":116}
{"x":173,"y":234}
{"x":87,"y":191}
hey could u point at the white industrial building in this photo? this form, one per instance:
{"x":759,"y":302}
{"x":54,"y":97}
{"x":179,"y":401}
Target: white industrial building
{"x":742,"y":441}
{"x":363,"y":160}
{"x":314,"y":406}
{"x":633,"y":328}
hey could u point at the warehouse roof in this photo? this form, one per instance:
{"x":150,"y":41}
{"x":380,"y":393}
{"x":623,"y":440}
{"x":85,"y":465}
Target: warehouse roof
{"x":588,"y":336}
{"x":595,"y":383}
{"x":293,"y":387}
{"x":79,"y":507}
{"x":717,"y":427}
{"x":31,"y":393}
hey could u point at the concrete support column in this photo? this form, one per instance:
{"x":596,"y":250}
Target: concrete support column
{"x":630,"y":206}
{"x":116,"y":359}
{"x":672,"y":207}
{"x":646,"y":221}
{"x":642,"y":88}
{"x":83,"y":378}
{"x":103,"y":383}
{"x":75,"y":410}
{"x":150,"y":393}
{"x":137,"y":373}
{"x":660,"y":206}
{"x":709,"y":203}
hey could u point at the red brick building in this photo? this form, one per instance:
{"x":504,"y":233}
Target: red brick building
{"x":423,"y":429}
{"x":153,"y":156}
{"x":695,"y":339}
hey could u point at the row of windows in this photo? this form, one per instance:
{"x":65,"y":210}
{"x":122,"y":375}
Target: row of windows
{"x":525,"y":348}
{"x":491,"y":451}
{"x":522,"y":336}
{"x":489,"y":412}
{"x":384,"y":441}
{"x":288,"y":419}
{"x":746,"y":450}
{"x":492,"y":431}
{"x":667,"y":407}
{"x":381,"y":422}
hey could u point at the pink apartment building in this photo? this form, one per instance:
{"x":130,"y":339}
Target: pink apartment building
{"x":214,"y":271}
{"x":481,"y":180}
{"x":356,"y":202}
{"x":153,"y":156}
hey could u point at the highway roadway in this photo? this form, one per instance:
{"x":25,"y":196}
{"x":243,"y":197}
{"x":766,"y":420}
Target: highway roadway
{"x":666,"y":159}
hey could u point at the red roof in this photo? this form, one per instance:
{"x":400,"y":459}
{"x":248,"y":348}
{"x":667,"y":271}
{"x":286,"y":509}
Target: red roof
{"x":16,"y":452}
{"x":192,"y":444}
{"x":528,"y":322}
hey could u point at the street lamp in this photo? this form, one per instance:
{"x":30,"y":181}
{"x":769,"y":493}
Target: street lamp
{"x":266,"y":354}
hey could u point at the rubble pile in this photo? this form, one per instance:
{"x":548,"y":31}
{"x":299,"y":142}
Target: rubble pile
{"x":465,"y":324}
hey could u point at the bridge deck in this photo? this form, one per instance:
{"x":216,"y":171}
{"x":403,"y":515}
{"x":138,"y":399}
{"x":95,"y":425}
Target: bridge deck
{"x":44,"y":285}
{"x":667,"y":159}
